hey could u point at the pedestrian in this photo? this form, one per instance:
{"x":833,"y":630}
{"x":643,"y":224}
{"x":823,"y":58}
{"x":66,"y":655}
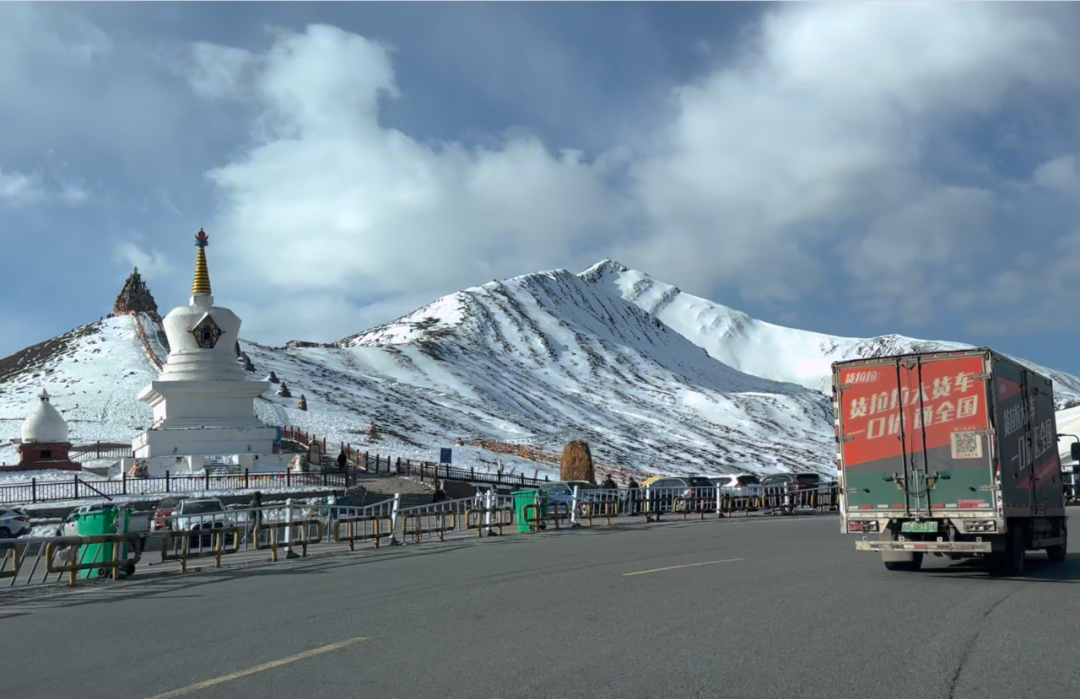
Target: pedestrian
{"x":633,"y":491}
{"x":255,"y":512}
{"x":609,"y":484}
{"x":342,"y":460}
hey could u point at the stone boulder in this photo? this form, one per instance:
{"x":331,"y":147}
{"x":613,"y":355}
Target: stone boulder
{"x":577,"y":462}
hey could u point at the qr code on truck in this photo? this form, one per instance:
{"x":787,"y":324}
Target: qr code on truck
{"x":966,"y":445}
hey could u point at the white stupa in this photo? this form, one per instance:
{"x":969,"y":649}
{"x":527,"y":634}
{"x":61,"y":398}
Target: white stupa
{"x":44,"y":425}
{"x":203,"y":402}
{"x":44,"y":443}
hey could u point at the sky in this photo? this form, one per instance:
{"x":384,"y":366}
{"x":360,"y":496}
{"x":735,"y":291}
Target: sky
{"x":853,"y":169}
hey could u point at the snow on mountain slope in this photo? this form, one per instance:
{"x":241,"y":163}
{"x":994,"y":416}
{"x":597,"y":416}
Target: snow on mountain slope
{"x":773,"y":351}
{"x":545,"y":357}
{"x":549,"y":353}
{"x":93,"y":374}
{"x":609,"y":355}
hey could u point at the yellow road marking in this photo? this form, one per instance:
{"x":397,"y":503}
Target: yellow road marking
{"x":257,"y":669}
{"x":688,"y":565}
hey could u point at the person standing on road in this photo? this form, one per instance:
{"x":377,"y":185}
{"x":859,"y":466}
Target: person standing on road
{"x":255,"y":512}
{"x":633,"y":491}
{"x":609,"y":484}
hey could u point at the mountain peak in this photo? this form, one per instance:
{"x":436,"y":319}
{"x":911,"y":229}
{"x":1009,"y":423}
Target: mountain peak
{"x":602,"y":269}
{"x":136,"y":298}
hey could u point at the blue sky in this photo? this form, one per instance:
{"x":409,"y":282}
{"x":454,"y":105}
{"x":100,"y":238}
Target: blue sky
{"x":855,"y":169}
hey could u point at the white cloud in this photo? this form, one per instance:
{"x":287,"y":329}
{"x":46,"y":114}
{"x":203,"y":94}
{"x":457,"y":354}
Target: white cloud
{"x":32,"y":32}
{"x":152,"y":264}
{"x":74,"y":194}
{"x":823,"y":128}
{"x":1060,"y":174}
{"x":364,"y":210}
{"x":18,"y":189}
{"x":916,"y":252}
{"x":218,"y":71}
{"x":71,"y":192}
{"x":166,"y":200}
{"x":822,"y":136}
{"x":1038,"y":293}
{"x":315,"y":316}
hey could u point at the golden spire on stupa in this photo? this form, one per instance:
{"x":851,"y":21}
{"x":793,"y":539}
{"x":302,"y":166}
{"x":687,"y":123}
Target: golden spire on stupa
{"x":201,"y":285}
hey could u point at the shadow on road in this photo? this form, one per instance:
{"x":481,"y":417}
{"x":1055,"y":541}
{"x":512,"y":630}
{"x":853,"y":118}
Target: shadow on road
{"x":1039,"y":569}
{"x":107,"y":592}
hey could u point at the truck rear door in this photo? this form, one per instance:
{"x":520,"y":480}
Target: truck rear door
{"x":913,"y":434}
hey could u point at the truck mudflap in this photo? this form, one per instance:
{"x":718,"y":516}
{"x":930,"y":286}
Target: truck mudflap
{"x":927,"y":546}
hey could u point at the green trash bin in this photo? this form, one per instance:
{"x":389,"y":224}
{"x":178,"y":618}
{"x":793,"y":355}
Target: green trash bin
{"x":522,"y":498}
{"x":98,"y":523}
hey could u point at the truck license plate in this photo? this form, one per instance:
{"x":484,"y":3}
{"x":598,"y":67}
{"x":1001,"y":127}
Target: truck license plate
{"x":919,"y":527}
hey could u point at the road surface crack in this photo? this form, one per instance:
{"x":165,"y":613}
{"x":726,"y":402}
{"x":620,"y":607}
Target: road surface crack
{"x":966,"y":654}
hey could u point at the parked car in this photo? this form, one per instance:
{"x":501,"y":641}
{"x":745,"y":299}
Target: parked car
{"x":743,"y":487}
{"x":13,"y":522}
{"x":793,"y":481}
{"x":661,"y":491}
{"x":164,"y":511}
{"x":563,"y":491}
{"x":201,"y":516}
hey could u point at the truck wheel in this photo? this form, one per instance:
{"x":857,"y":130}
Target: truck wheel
{"x":1056,"y":554}
{"x":906,"y":566}
{"x":1012,"y":561}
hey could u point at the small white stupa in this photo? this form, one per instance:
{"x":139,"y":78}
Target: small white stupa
{"x":44,"y":425}
{"x":44,"y":443}
{"x":203,"y":402}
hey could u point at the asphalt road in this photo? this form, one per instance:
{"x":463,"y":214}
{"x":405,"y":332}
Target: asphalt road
{"x":758,"y":609}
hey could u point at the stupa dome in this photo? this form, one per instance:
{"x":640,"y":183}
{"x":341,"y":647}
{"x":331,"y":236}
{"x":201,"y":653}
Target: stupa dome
{"x":45,"y":424}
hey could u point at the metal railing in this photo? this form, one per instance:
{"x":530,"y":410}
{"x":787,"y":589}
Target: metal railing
{"x":100,"y":450}
{"x":33,"y":561}
{"x":241,"y":533}
{"x":79,"y":488}
{"x":425,"y":471}
{"x":656,"y":503}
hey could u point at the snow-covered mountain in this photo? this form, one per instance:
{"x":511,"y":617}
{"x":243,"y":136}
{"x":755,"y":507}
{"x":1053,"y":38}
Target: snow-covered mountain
{"x":655,"y":379}
{"x":773,"y":351}
{"x":552,"y":352}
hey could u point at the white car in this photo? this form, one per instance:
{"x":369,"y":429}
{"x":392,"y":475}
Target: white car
{"x":13,"y":522}
{"x":199,"y":518}
{"x":743,"y":487}
{"x":205,"y":513}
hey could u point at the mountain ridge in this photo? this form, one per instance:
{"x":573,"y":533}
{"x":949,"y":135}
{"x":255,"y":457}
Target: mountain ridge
{"x":731,"y":336}
{"x":655,"y":378}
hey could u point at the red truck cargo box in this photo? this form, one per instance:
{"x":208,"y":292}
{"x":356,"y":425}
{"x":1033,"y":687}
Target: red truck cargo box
{"x":923,"y":435}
